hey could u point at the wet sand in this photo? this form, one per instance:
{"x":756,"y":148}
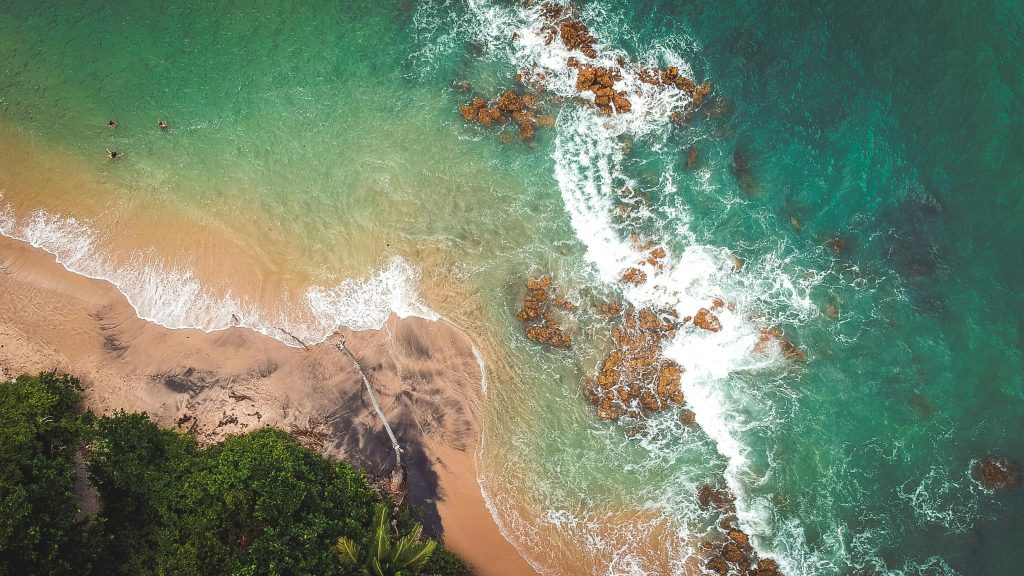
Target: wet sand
{"x":214,"y":384}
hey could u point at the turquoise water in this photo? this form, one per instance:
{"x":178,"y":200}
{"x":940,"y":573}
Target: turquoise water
{"x":897,"y":128}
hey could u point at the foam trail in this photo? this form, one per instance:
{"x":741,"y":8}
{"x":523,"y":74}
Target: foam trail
{"x":173,"y":297}
{"x":589,"y":170}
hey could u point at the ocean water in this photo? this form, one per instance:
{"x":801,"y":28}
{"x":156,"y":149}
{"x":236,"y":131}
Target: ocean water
{"x":316,"y":173}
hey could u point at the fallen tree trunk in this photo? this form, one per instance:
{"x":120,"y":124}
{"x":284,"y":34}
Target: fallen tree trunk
{"x":396,"y":484}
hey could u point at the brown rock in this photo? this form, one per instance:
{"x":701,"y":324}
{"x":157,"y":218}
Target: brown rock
{"x":717,"y":565}
{"x":469,"y":113}
{"x":719,"y":498}
{"x":634,"y":276}
{"x":510,"y":102}
{"x":996,"y":473}
{"x":836,"y":244}
{"x":688,"y":417}
{"x":706,"y":320}
{"x":526,"y":131}
{"x":731,"y":552}
{"x":740,"y":538}
{"x":691,"y":158}
{"x":701,"y":93}
{"x":545,"y":121}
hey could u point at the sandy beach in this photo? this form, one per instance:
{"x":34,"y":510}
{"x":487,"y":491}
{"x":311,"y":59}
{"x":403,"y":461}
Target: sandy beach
{"x":215,"y":384}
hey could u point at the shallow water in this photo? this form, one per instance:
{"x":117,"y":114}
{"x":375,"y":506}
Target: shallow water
{"x":313,"y":144}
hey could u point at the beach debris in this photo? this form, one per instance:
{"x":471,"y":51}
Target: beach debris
{"x":396,"y":485}
{"x":537,"y":317}
{"x":509,"y":106}
{"x":634,"y":378}
{"x":996,"y":473}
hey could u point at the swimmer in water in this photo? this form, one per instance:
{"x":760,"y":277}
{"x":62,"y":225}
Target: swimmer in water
{"x":114,"y":154}
{"x":161,"y":123}
{"x":112,"y":124}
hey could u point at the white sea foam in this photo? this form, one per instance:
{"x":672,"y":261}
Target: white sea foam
{"x":590,"y":174}
{"x":173,"y":297}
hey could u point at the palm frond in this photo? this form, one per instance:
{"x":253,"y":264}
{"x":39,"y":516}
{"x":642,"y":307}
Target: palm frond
{"x":346,"y":551}
{"x":381,"y":544}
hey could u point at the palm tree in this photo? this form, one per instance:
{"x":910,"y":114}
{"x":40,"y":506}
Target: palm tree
{"x":405,"y":558}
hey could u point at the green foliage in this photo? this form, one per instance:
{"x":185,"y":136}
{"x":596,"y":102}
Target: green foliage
{"x":254,"y":504}
{"x":408,"y":556}
{"x":444,"y":563}
{"x":39,"y":434}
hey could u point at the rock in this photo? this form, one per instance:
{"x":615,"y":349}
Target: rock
{"x":788,"y":349}
{"x":719,"y":498}
{"x":634,"y":276}
{"x":717,"y":304}
{"x":996,"y":473}
{"x":706,"y":320}
{"x":831,"y":310}
{"x":536,"y":315}
{"x":688,"y":417}
{"x":510,"y":102}
{"x":836,"y":244}
{"x":545,"y":121}
{"x":717,"y":565}
{"x":691,"y":158}
{"x":526,"y":131}
{"x":740,"y":538}
{"x":701,"y":93}
{"x":795,"y":223}
{"x":462,"y":86}
{"x":731,"y":552}
{"x":744,"y":175}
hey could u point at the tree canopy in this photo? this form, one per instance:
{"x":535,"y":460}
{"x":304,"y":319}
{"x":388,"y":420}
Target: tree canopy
{"x":254,"y":504}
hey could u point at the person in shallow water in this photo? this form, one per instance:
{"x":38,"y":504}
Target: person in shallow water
{"x":112,"y":124}
{"x":161,"y":123}
{"x":112,"y":154}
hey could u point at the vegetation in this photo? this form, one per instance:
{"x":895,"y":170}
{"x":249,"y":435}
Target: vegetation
{"x":253,"y":504}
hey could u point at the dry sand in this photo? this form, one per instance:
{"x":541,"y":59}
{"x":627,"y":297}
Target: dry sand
{"x":425,"y":376}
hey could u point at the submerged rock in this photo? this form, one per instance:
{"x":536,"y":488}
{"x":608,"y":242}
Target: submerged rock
{"x":535,"y":313}
{"x":996,"y":473}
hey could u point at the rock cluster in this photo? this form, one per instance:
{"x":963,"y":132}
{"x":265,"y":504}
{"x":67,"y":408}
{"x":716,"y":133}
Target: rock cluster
{"x":634,"y":275}
{"x":562,"y":20}
{"x":509,"y":106}
{"x":735,"y":554}
{"x":706,"y":320}
{"x":600,"y":80}
{"x":996,"y":473}
{"x":670,"y":76}
{"x":770,"y":336}
{"x":634,"y":378}
{"x":537,"y":317}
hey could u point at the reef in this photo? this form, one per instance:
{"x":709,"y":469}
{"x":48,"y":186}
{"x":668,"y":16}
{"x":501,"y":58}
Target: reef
{"x":633,"y":378}
{"x":510,"y":106}
{"x":996,"y":473}
{"x":537,"y":317}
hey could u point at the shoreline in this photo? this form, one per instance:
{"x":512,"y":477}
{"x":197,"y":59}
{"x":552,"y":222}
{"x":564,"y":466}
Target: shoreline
{"x":214,"y":384}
